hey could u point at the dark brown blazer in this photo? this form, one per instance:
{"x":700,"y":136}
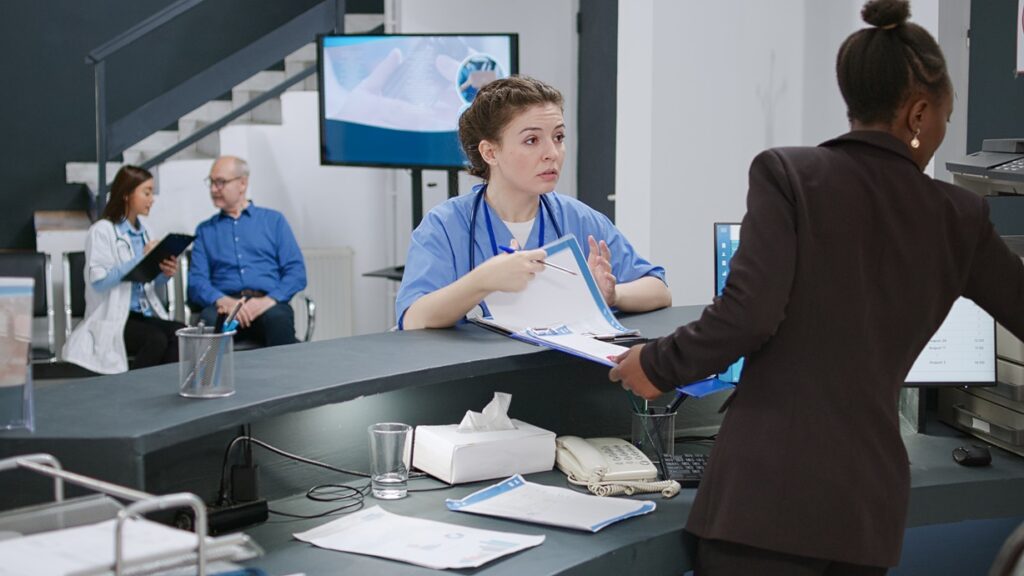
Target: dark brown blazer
{"x":849,"y":260}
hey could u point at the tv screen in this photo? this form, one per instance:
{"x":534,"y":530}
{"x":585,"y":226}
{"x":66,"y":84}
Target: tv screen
{"x":961,"y":353}
{"x":395,"y":100}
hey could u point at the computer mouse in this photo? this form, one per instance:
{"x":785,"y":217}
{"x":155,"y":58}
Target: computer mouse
{"x":972,"y":455}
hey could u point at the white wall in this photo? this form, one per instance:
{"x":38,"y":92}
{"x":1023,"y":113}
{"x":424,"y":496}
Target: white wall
{"x":704,"y":87}
{"x":722,"y":81}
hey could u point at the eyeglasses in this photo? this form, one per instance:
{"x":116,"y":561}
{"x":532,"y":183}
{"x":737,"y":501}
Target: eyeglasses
{"x":218,"y":183}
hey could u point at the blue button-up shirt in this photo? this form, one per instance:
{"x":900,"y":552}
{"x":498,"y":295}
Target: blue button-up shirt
{"x":137,"y":240}
{"x":256,"y":251}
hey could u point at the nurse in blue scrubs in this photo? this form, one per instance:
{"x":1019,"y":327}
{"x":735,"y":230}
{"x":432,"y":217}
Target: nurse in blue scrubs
{"x":514,"y":137}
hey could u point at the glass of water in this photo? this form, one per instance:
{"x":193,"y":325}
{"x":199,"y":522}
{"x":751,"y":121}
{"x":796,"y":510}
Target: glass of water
{"x":390,"y":446}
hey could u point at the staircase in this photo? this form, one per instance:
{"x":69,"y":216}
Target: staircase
{"x":208,"y":148}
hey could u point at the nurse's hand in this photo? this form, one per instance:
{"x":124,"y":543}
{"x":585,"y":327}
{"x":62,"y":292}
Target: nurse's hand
{"x":599,"y":260}
{"x":169,"y":266}
{"x":149,"y":246}
{"x":628,"y":371}
{"x":510,"y":272}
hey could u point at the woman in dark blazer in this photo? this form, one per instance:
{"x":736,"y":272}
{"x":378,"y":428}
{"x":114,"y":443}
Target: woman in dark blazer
{"x":850,"y":258}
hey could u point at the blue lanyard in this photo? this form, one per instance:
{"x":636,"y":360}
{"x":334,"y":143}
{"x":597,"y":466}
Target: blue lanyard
{"x":490,"y":227}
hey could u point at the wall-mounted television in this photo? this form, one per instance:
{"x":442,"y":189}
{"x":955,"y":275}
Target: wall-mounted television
{"x":394,"y":100}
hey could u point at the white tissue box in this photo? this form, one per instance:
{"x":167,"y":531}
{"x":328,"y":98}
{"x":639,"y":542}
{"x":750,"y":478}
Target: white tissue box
{"x":455,"y":457}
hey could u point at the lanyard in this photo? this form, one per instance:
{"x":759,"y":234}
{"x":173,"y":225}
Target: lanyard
{"x":490,"y":227}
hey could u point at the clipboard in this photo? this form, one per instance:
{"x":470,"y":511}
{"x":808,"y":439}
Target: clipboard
{"x":562,"y":311}
{"x":149,"y":267}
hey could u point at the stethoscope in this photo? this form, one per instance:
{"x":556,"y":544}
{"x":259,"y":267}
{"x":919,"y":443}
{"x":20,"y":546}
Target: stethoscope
{"x":123,"y":242}
{"x":544,"y":205}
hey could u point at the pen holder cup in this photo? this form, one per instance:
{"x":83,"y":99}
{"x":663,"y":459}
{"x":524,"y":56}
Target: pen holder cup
{"x":207,"y":362}
{"x":654,"y":431}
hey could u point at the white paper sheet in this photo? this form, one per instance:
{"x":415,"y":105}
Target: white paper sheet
{"x":376,"y":532}
{"x":518,"y":499}
{"x":89,"y":549}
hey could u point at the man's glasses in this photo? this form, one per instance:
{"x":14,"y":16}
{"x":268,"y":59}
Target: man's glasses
{"x":218,"y":183}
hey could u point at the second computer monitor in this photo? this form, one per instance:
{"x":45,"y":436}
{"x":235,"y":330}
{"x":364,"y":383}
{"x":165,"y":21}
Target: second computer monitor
{"x":961,"y":353}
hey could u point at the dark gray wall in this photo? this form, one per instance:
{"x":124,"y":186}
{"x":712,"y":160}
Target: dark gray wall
{"x":47,"y":105}
{"x":995,"y":107}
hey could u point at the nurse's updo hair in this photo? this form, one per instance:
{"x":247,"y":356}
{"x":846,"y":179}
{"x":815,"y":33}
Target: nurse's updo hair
{"x":879,"y":68}
{"x":494,"y":107}
{"x":125,"y":182}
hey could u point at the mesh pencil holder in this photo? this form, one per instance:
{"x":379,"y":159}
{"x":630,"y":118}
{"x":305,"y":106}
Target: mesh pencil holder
{"x":207,"y":362}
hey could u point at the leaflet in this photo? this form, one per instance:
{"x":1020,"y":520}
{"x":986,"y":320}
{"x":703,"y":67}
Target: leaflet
{"x":517,"y":499}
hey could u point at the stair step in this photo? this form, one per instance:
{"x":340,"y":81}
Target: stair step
{"x":137,"y":156}
{"x":85,"y":173}
{"x":157,"y":141}
{"x":212,"y":110}
{"x":262,"y":81}
{"x":305,"y":54}
{"x":267,"y":113}
{"x":307,"y":84}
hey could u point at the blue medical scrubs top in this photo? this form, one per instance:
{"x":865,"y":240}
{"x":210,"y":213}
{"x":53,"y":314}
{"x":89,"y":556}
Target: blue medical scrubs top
{"x":439,"y":250}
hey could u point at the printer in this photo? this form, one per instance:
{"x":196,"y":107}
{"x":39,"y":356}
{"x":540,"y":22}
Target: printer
{"x":995,"y":414}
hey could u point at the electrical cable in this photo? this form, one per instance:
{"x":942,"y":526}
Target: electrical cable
{"x":319,"y":493}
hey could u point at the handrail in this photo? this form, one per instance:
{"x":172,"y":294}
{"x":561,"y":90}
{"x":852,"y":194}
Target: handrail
{"x":155,"y":21}
{"x":229,"y":117}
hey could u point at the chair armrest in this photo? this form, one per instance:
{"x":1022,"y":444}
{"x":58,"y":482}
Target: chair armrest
{"x":310,"y":318}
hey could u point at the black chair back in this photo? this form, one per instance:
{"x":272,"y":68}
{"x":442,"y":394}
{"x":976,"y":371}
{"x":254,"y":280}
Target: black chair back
{"x":76,"y":280}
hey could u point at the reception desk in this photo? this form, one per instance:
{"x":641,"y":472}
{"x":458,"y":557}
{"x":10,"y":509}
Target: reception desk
{"x":316,"y":399}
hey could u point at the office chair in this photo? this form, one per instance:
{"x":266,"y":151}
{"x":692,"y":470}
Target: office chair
{"x":36,"y":265}
{"x":1008,"y":560}
{"x":301,"y":303}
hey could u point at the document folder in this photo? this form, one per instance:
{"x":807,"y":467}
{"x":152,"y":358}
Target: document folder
{"x":149,"y":267}
{"x":560,"y":309}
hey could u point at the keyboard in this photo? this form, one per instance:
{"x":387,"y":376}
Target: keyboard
{"x":687,"y":469}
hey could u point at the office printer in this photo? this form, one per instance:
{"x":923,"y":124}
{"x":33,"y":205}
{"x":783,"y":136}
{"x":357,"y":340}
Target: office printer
{"x":995,"y":414}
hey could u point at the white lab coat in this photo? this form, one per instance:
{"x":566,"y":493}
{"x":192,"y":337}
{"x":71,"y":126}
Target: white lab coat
{"x":97,"y":343}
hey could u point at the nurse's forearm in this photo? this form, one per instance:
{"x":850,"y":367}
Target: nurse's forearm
{"x":443,"y":308}
{"x":642,"y":294}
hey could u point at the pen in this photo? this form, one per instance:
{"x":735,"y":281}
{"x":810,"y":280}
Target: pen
{"x":508,"y":250}
{"x":680,"y":396}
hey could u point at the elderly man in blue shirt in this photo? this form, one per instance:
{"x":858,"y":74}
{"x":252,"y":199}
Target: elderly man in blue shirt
{"x":245,"y":251}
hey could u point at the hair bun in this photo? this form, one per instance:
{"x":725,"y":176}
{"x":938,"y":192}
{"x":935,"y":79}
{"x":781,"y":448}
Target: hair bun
{"x":886,"y":13}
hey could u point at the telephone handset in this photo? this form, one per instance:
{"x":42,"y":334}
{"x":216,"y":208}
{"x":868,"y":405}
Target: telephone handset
{"x":602,"y":460}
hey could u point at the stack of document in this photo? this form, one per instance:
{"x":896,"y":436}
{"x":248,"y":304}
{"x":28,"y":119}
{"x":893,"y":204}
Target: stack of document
{"x":562,"y":308}
{"x":518,"y":499}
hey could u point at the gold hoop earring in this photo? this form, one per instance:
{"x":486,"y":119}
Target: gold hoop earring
{"x":915,"y":143}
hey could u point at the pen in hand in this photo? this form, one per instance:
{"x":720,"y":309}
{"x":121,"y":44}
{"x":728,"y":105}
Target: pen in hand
{"x":508,"y":250}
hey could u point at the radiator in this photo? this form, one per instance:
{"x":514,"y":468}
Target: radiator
{"x":329,"y":283}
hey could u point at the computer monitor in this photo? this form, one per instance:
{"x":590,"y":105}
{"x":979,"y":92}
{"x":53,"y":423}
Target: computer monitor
{"x":394,"y":100}
{"x":961,"y":353}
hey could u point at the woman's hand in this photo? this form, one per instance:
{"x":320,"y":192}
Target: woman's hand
{"x":169,"y":266}
{"x":628,"y":371}
{"x":149,"y":246}
{"x":510,"y":272}
{"x":599,"y":260}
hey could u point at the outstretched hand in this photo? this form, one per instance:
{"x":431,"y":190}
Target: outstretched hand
{"x":599,"y":260}
{"x":628,"y":371}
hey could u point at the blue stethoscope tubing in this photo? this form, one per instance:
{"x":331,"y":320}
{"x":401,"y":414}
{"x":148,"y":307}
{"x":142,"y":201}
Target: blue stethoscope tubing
{"x":544,"y":206}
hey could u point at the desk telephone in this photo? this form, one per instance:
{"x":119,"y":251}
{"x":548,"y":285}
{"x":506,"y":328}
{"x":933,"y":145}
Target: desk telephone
{"x":609,"y":466}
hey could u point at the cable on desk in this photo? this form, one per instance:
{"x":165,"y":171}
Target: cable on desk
{"x":319,"y":493}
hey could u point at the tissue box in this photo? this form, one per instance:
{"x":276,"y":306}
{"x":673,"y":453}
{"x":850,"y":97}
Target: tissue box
{"x":454,"y":457}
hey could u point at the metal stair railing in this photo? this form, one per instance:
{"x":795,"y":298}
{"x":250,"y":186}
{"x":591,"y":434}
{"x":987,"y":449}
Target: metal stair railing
{"x":113,"y":138}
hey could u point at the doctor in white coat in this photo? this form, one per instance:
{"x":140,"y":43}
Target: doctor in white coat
{"x":123,"y":317}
